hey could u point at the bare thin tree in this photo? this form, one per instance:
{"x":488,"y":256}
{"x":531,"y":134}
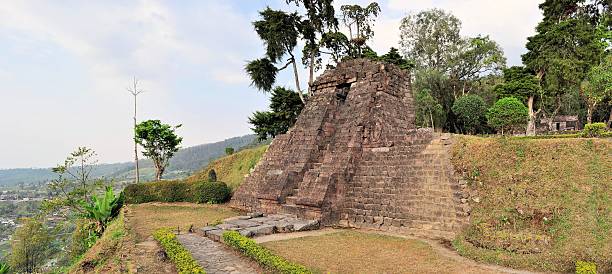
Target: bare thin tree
{"x":135,"y":91}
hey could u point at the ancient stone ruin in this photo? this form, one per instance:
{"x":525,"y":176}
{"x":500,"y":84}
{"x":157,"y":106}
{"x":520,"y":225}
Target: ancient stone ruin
{"x":355,"y":158}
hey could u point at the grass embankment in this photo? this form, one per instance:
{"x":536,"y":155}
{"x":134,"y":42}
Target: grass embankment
{"x":539,"y":204}
{"x":359,"y":252}
{"x":231,"y":169}
{"x":147,"y":218}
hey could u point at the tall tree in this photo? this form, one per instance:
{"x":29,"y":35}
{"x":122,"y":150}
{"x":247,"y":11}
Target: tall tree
{"x":522,"y":84}
{"x":159,"y":141}
{"x":30,"y":246}
{"x":135,"y":92}
{"x":280,"y":32}
{"x":359,"y":21}
{"x":428,"y":111}
{"x":320,"y":20}
{"x":285,"y":107}
{"x":447,"y":64}
{"x":567,"y":44}
{"x":597,"y":86}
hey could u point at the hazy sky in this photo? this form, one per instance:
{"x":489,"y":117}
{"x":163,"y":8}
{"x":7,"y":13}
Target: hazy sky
{"x":65,"y":67}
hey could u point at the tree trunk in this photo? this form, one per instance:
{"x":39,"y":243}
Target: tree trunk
{"x":297,"y":81}
{"x":432,"y":122}
{"x":610,"y":119}
{"x":311,"y":73}
{"x":531,"y":123}
{"x":590,"y":114}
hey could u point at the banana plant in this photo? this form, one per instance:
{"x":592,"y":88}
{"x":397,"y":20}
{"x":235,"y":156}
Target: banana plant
{"x":103,"y":209}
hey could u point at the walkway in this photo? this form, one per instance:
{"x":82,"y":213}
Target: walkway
{"x":216,"y":258}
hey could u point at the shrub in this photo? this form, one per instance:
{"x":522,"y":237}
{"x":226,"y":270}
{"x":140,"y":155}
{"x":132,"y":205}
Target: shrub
{"x":177,"y":191}
{"x":507,"y":113}
{"x":470,"y":111}
{"x":594,"y":130}
{"x":181,"y":258}
{"x":229,"y":150}
{"x":83,"y":237}
{"x":104,"y":208}
{"x":583,"y":267}
{"x":212,"y":175}
{"x":262,"y":255}
{"x":211,"y":192}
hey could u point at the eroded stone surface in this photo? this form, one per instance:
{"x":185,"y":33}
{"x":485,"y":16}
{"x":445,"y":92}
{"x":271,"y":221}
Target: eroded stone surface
{"x":259,"y":226}
{"x":215,"y":257}
{"x":355,"y":158}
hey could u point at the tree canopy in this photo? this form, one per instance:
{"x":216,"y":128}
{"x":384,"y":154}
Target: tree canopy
{"x":159,"y":141}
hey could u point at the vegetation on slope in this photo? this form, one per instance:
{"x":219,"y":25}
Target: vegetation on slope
{"x":231,"y":169}
{"x":537,"y":203}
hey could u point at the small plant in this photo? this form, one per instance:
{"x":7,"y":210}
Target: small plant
{"x":262,"y":255}
{"x":212,"y":175}
{"x":583,"y":267}
{"x":181,"y":258}
{"x":594,"y":130}
{"x":103,"y":209}
{"x":4,"y":268}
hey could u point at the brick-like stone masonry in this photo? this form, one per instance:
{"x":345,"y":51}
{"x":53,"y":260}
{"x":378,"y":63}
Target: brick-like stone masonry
{"x":355,"y":158}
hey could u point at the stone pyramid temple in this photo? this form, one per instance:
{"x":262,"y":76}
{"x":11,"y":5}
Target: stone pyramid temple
{"x":356,"y":159}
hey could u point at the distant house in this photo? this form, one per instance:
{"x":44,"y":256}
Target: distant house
{"x":560,"y":123}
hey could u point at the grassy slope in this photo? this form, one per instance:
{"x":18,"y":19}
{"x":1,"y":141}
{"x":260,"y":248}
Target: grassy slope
{"x":537,"y":204}
{"x":232,"y":169}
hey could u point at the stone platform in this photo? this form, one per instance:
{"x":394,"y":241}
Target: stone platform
{"x":257,"y":224}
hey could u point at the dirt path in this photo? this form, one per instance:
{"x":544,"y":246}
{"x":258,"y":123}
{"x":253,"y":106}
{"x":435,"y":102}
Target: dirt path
{"x":436,"y":246}
{"x":216,"y":258}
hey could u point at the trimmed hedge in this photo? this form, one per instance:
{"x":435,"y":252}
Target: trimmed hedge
{"x":585,"y":268}
{"x":594,"y":130}
{"x":181,"y":258}
{"x":262,"y":255}
{"x":177,"y":191}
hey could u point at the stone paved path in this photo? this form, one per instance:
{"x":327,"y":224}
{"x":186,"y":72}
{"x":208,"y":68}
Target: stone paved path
{"x":215,"y":257}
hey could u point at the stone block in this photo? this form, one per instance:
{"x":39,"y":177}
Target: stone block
{"x":304,"y":225}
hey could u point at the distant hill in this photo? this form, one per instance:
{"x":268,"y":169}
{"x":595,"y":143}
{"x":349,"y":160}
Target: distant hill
{"x":185,"y":162}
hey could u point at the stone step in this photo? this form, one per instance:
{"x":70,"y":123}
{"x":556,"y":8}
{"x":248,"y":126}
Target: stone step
{"x":250,"y":226}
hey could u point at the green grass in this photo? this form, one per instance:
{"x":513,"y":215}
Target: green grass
{"x":544,"y":203}
{"x":231,"y":169}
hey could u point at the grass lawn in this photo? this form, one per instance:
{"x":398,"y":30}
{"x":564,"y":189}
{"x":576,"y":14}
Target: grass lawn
{"x":359,"y":252}
{"x":146,"y":218}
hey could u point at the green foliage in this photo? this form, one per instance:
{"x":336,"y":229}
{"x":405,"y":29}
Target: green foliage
{"x":583,"y":267}
{"x":429,"y":112}
{"x":177,"y":191}
{"x":597,"y":85}
{"x":212,"y":175}
{"x":211,"y":192}
{"x":285,"y":106}
{"x":359,"y":21}
{"x":519,"y":83}
{"x":182,"y":259}
{"x":470,"y":111}
{"x":262,"y":72}
{"x":594,"y":130}
{"x":73,"y":184}
{"x":507,"y":114}
{"x":83,"y":237}
{"x":337,"y":43}
{"x":262,"y":255}
{"x":229,"y":150}
{"x":103,"y":209}
{"x":4,"y":268}
{"x":159,"y":141}
{"x":30,"y":246}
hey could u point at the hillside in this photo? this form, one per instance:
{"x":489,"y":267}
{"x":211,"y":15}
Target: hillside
{"x":185,"y":162}
{"x":232,"y":169}
{"x":537,"y":204}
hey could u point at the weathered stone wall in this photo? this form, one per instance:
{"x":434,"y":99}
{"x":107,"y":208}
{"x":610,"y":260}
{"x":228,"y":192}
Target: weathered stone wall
{"x":354,"y":158}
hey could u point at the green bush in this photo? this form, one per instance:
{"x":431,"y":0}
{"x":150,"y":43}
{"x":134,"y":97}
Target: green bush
{"x":594,"y":130}
{"x":583,"y":267}
{"x":177,"y":191}
{"x":212,"y":175}
{"x":211,"y":192}
{"x":262,"y":255}
{"x":181,"y":258}
{"x":4,"y":268}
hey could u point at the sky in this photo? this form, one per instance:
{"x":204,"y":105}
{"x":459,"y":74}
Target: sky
{"x":65,"y":67}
